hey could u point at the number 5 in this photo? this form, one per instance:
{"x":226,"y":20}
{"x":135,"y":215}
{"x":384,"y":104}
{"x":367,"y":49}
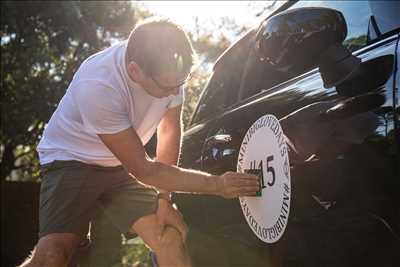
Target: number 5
{"x":271,"y":170}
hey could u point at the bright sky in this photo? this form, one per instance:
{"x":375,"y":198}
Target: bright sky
{"x":209,"y":13}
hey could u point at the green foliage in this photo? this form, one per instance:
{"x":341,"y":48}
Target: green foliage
{"x":136,"y":255}
{"x":192,"y":93}
{"x":42,"y":45}
{"x":355,"y":43}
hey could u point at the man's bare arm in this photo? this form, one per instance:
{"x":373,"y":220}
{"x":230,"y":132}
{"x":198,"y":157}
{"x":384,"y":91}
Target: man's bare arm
{"x":169,"y":133}
{"x":128,"y":148}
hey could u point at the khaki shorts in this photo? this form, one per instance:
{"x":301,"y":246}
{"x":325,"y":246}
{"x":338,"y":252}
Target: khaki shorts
{"x":73,"y":193}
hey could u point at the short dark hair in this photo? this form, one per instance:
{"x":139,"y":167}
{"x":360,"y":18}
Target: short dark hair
{"x":158,"y":45}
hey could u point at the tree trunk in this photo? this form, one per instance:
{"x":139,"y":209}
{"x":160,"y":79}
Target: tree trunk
{"x":7,"y":161}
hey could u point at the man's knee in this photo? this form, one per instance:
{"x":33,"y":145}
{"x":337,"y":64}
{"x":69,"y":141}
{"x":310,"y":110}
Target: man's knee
{"x":171,"y":249}
{"x":55,"y":255}
{"x":54,"y":250}
{"x":170,"y":239}
{"x":155,"y":236}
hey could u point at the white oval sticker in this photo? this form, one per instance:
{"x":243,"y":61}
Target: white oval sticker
{"x":264,"y":150}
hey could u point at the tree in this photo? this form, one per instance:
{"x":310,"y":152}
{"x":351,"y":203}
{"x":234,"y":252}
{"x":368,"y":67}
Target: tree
{"x":42,"y":44}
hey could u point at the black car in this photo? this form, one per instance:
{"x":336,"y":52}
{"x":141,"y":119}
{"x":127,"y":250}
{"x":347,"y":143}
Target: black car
{"x":323,"y":76}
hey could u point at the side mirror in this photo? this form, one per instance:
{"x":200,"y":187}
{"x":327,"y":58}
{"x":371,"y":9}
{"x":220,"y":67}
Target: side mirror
{"x":299,"y":39}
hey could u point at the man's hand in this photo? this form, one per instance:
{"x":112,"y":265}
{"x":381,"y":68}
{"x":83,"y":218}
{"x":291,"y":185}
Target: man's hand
{"x":168,"y":214}
{"x":233,"y":184}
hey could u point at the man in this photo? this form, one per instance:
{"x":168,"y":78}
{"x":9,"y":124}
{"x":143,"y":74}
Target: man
{"x":93,"y":157}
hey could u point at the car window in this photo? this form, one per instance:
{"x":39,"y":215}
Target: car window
{"x":212,"y":100}
{"x":239,"y":69}
{"x":385,"y":19}
{"x":222,"y":88}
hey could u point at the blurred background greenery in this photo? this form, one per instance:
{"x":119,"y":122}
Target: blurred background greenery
{"x":136,"y":254}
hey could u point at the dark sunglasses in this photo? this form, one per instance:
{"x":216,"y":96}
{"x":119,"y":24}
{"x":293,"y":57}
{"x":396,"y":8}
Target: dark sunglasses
{"x":170,"y":88}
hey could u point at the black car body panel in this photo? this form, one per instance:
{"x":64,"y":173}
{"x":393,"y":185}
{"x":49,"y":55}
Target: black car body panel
{"x":344,"y":159}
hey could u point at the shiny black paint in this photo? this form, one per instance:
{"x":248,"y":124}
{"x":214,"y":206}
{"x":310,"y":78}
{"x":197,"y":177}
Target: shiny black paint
{"x":345,"y":174}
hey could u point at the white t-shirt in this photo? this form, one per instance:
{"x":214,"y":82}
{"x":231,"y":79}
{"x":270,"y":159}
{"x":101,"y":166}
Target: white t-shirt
{"x":101,"y":99}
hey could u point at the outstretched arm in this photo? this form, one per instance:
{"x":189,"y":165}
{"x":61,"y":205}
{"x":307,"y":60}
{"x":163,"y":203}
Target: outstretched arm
{"x":127,"y":147}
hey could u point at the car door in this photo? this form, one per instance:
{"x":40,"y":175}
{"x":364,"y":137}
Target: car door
{"x":215,"y":99}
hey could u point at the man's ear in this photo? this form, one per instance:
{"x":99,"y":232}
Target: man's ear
{"x":135,"y":72}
